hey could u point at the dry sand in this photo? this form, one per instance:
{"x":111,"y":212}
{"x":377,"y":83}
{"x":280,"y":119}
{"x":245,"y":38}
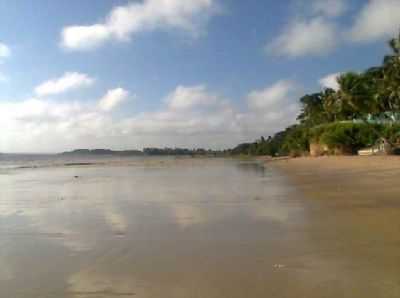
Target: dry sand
{"x":356,"y":203}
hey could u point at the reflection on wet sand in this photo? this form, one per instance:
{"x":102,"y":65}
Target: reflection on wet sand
{"x":210,"y":228}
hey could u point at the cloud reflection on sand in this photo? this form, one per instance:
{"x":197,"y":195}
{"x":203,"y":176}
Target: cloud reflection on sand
{"x":124,"y":214}
{"x":68,"y":207}
{"x":91,"y":283}
{"x":6,"y":272}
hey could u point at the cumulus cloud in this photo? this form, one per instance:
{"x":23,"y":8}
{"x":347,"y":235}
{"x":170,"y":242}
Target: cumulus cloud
{"x":378,"y":19}
{"x":125,"y":21}
{"x":273,"y":107}
{"x":312,"y":31}
{"x":184,"y":98}
{"x":271,"y":96}
{"x":5,"y":51}
{"x":38,"y":125}
{"x":300,"y":38}
{"x":188,"y":110}
{"x":196,"y":116}
{"x":330,"y":81}
{"x":84,"y":37}
{"x":69,"y":81}
{"x":329,"y":8}
{"x":190,"y":116}
{"x":112,"y":99}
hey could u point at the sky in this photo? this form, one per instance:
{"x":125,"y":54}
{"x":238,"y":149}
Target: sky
{"x":174,"y":73}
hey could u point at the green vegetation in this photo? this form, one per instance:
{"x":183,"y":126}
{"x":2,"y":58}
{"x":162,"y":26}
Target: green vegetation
{"x":348,"y":137}
{"x":145,"y":152}
{"x":366,"y":108}
{"x":103,"y":152}
{"x":180,"y":152}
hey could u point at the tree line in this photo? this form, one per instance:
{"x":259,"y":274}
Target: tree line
{"x":146,"y":152}
{"x":364,"y":109}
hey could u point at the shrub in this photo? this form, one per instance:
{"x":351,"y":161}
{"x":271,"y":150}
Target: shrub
{"x":392,"y":132}
{"x":296,"y":142}
{"x":347,"y":137}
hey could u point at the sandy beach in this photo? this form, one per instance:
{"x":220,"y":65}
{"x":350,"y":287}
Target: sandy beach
{"x":356,"y":205}
{"x":200,"y":228}
{"x":355,"y":178}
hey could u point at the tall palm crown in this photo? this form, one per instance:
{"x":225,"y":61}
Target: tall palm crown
{"x":391,"y":83}
{"x":353,"y":95}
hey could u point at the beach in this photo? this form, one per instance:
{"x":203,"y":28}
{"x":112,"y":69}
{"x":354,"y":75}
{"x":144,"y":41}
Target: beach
{"x":356,"y":203}
{"x":188,"y":227}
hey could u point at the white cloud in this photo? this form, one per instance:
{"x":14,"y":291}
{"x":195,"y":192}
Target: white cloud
{"x":112,"y":99}
{"x":330,"y":81}
{"x":184,"y":98}
{"x":191,"y":116}
{"x":45,"y":125}
{"x":329,"y":8}
{"x":271,"y":108}
{"x":189,"y":110}
{"x":271,"y":96}
{"x":125,"y":21}
{"x":378,"y":19}
{"x":315,"y":37}
{"x":40,"y":125}
{"x":5,"y":51}
{"x":84,"y":37}
{"x":69,"y":81}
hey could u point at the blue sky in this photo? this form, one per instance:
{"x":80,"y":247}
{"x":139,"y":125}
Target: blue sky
{"x":197,"y":73}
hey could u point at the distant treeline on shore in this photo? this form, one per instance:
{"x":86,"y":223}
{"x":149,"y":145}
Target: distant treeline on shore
{"x":145,"y":152}
{"x":364,"y":109}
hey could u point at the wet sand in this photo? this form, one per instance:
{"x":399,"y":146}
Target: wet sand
{"x":189,"y":228}
{"x":356,"y":211}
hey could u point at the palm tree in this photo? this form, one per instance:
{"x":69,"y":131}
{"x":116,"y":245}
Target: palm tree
{"x":312,"y":112}
{"x":390,"y":90}
{"x":332,"y":105}
{"x":352,"y":97}
{"x":360,"y":99}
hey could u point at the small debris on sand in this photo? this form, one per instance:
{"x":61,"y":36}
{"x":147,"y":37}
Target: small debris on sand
{"x":119,"y":234}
